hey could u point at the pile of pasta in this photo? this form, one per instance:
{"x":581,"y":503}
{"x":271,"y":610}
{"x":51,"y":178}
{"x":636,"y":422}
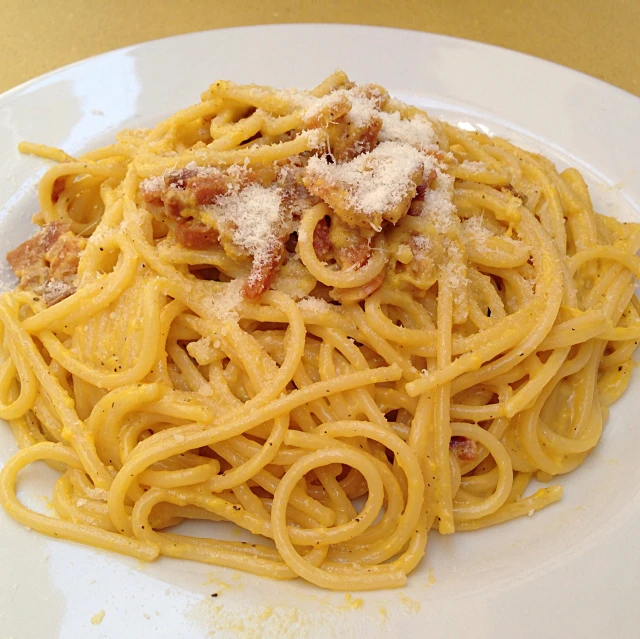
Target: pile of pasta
{"x":346,"y":405}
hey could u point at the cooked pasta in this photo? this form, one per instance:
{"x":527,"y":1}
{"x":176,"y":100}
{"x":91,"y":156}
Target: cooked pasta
{"x":323,"y":316}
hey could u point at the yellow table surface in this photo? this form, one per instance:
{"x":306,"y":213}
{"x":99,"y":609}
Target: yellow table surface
{"x":594,"y":36}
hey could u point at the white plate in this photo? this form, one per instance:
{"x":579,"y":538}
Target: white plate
{"x":571,"y":570}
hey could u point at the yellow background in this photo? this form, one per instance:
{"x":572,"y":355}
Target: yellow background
{"x":598,"y":37}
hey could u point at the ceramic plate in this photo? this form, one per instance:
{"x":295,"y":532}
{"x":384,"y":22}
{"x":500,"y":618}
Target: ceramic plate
{"x":572,"y":570}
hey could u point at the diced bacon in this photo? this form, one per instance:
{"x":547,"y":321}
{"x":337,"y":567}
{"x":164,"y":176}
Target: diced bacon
{"x":321,"y":244}
{"x":371,"y":287}
{"x":262,"y":274}
{"x":373,"y":187}
{"x":195,"y":235}
{"x":415,"y":209}
{"x":186,"y":189}
{"x":64,"y":256}
{"x":465,"y":449}
{"x":207,"y":188}
{"x":48,"y":262}
{"x":178,"y":178}
{"x":58,"y":187}
{"x":31,"y":253}
{"x":352,"y":248}
{"x":353,"y":139}
{"x":56,"y":290}
{"x":351,"y":295}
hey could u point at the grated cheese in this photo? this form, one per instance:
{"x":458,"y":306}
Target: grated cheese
{"x":152,"y":184}
{"x":454,"y":269}
{"x":253,"y":218}
{"x":470,"y":165}
{"x":55,"y":290}
{"x":314,"y":305}
{"x":224,"y":304}
{"x":418,"y":132}
{"x":422,"y":243}
{"x":438,"y":206}
{"x":474,"y":228}
{"x":361,"y":113}
{"x":374,"y":181}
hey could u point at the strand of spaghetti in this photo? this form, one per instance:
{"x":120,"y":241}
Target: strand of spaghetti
{"x":409,"y":465}
{"x":45,"y":151}
{"x":105,"y":420}
{"x":28,"y":385}
{"x":540,"y":499}
{"x":161,"y":444}
{"x":441,"y":418}
{"x":74,"y":430}
{"x":89,"y":300}
{"x":147,"y":166}
{"x":355,"y":579}
{"x":341,"y":278}
{"x":56,"y":527}
{"x":253,"y":559}
{"x":179,"y":478}
{"x":505,"y":473}
{"x":148,"y":348}
{"x":628,"y":260}
{"x":467,"y":369}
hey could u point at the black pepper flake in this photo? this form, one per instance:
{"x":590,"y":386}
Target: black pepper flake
{"x":214,"y":594}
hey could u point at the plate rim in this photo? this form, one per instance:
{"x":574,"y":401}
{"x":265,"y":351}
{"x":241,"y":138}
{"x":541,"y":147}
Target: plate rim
{"x":594,"y":84}
{"x":27,"y":84}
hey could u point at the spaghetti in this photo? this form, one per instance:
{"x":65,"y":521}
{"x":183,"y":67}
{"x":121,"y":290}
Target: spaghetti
{"x":320,"y":315}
